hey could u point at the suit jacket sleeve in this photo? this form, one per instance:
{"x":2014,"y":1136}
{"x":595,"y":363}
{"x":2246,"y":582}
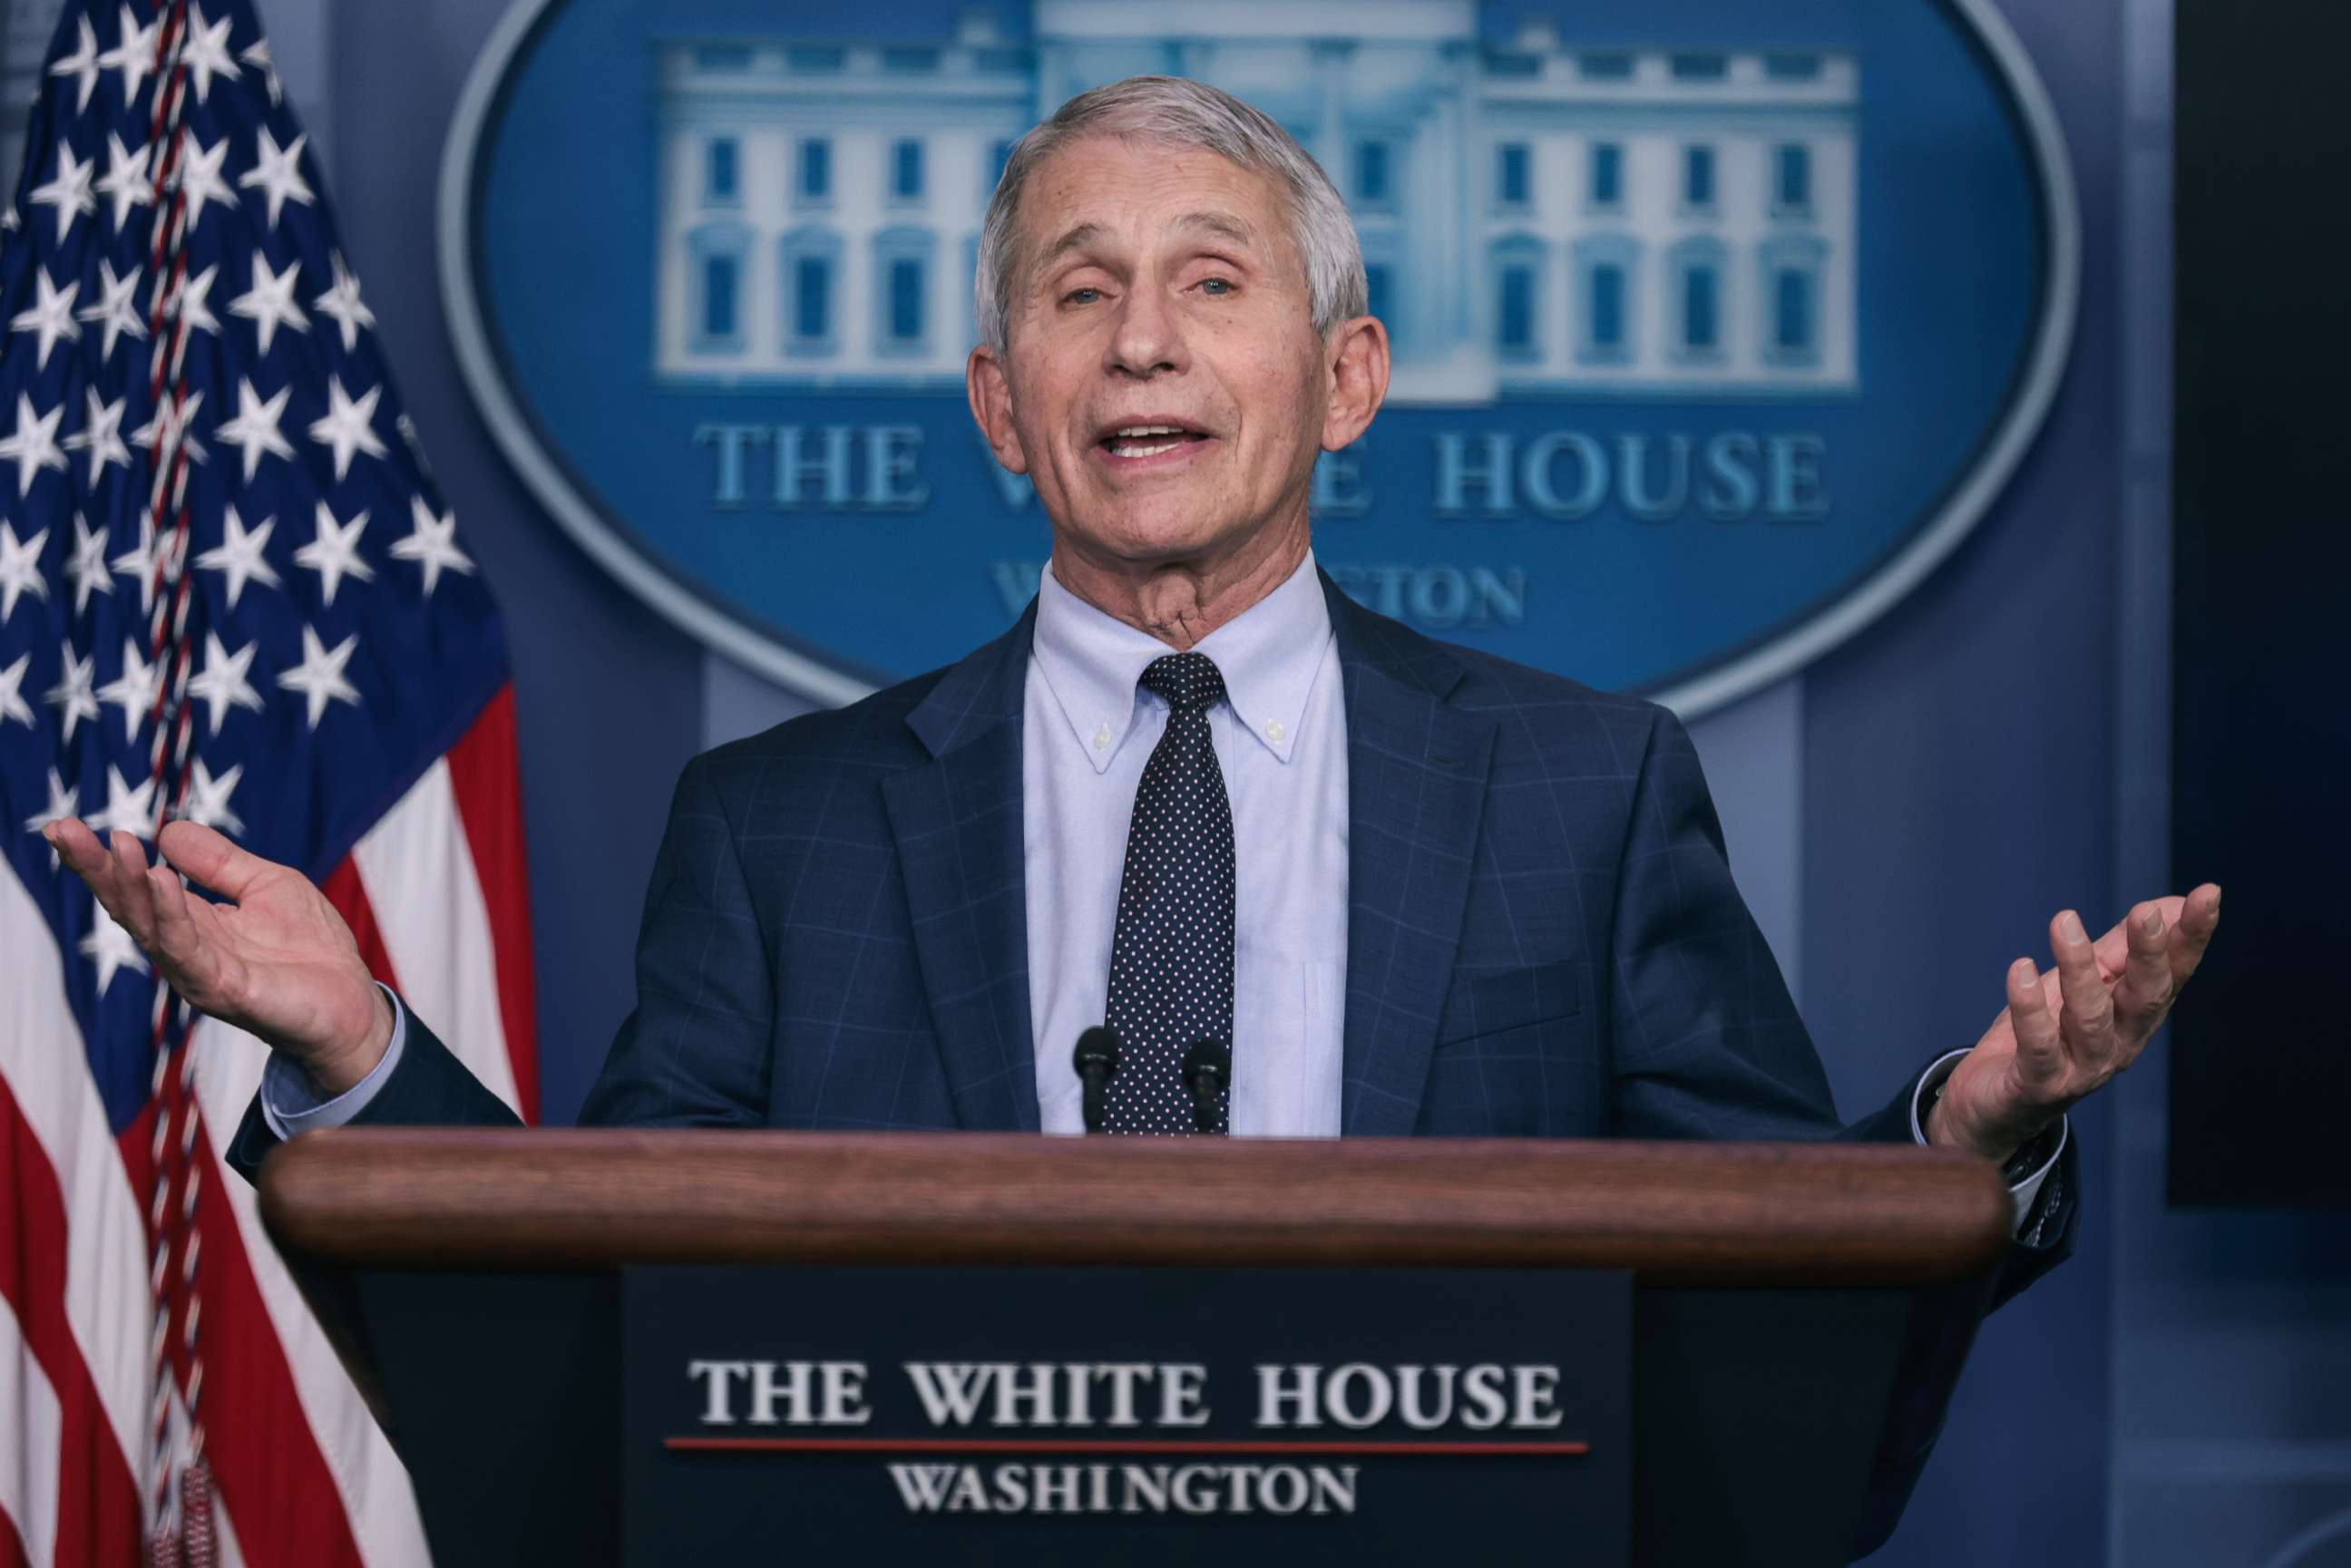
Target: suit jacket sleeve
{"x":693,"y":1054}
{"x":1704,"y":1042}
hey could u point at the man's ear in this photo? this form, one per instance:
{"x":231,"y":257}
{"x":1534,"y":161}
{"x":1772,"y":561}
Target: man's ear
{"x":991,"y":392}
{"x":1358,"y":380}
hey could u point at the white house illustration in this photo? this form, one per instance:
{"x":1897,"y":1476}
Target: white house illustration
{"x":1536,"y":219}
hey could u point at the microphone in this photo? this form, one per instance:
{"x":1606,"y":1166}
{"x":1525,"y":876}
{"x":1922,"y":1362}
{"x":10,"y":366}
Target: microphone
{"x":1208,"y":1073}
{"x":1096,"y":1061}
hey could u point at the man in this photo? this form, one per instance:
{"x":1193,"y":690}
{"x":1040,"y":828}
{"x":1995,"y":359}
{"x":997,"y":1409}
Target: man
{"x":1195,"y":792}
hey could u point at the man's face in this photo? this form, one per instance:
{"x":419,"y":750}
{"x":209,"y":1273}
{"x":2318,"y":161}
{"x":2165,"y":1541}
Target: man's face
{"x":1158,"y":287}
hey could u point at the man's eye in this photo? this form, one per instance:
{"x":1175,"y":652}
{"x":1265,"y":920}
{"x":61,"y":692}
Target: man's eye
{"x":1072,"y":296}
{"x":1218,"y":285}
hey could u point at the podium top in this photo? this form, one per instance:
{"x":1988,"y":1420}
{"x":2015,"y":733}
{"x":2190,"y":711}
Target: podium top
{"x":595,"y":1200}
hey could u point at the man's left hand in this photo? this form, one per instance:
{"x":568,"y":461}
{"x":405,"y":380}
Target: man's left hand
{"x":2065,"y":1033}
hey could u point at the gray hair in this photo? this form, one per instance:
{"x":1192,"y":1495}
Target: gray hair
{"x":1182,"y":112}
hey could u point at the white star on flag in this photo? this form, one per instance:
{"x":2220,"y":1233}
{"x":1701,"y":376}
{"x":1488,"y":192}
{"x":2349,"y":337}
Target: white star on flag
{"x":191,"y":302}
{"x":117,"y":307}
{"x":50,"y":315}
{"x":102,"y":434}
{"x":76,"y":692}
{"x":34,"y":443}
{"x":222,"y":684}
{"x":256,"y":55}
{"x":270,"y":304}
{"x":126,"y":808}
{"x":133,"y":691}
{"x":320,"y":675}
{"x":205,"y":54}
{"x":125,"y":182}
{"x":341,"y":301}
{"x":334,"y":554}
{"x":432,"y":543}
{"x":348,"y":426}
{"x":81,"y":65}
{"x":278,"y":172}
{"x":12,"y":702}
{"x":64,"y":800}
{"x":255,"y":431}
{"x":110,"y":947}
{"x":69,"y":193}
{"x":86,"y":568}
{"x":133,"y":54}
{"x":199,"y":178}
{"x":239,"y":556}
{"x":141,"y":564}
{"x":172,"y":424}
{"x":20,"y":570}
{"x":207,"y":804}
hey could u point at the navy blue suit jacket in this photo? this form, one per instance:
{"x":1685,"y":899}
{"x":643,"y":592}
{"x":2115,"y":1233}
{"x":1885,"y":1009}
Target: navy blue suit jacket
{"x":1544,"y":940}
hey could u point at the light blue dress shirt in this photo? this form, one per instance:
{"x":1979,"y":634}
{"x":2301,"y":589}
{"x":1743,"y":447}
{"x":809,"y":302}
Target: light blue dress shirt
{"x":1280,"y":737}
{"x":1088,"y":727}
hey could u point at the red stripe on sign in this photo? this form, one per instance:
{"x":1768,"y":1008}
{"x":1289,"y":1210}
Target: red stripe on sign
{"x":485,"y":776}
{"x":1101,"y":1446}
{"x":266,"y":1459}
{"x":98,"y":1505}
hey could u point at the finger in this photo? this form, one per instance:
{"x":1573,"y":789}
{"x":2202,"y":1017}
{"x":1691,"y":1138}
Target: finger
{"x":2145,"y":990}
{"x":2113,"y":948}
{"x":2086,"y":1020}
{"x":2032,"y":1018}
{"x":133,"y":904}
{"x":181,"y":950}
{"x":79,"y":847}
{"x":210,"y":860}
{"x":2199,"y":918}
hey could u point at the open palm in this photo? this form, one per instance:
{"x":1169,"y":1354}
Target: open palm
{"x":2067,"y":1032}
{"x":276,"y":960}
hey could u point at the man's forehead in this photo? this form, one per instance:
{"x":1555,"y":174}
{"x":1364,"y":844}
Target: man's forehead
{"x":1087,"y":233}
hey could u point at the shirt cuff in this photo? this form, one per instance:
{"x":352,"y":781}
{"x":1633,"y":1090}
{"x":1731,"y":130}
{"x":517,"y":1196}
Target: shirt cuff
{"x":2023,"y":1191}
{"x":292,"y":1101}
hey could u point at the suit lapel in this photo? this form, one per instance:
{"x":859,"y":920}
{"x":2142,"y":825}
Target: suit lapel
{"x":1417,"y":772}
{"x":959,"y":828}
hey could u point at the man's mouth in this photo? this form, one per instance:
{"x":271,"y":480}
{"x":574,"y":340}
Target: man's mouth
{"x":1131,"y":442}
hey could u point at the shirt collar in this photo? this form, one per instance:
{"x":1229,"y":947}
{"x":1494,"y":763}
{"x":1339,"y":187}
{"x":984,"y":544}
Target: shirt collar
{"x":1267,"y":654}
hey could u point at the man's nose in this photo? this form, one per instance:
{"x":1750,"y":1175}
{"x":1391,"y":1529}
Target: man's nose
{"x":1148,"y":337}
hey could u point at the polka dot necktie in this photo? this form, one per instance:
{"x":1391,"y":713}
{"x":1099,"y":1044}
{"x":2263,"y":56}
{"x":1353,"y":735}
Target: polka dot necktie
{"x":1171,"y":959}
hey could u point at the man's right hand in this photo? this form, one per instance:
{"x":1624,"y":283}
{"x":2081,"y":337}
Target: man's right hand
{"x":277,"y":961}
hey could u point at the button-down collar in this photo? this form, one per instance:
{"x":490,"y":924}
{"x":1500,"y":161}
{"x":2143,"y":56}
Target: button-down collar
{"x":1267,"y":654}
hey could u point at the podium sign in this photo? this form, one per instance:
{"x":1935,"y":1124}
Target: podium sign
{"x":884,"y":1416}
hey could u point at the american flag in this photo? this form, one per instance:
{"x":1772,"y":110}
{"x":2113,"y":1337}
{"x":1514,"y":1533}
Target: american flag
{"x":230,"y":591}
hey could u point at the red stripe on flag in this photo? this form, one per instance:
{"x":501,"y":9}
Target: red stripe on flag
{"x":12,"y":1550}
{"x":348,"y":895}
{"x":97,"y":1504}
{"x":272,"y":1480}
{"x":485,"y":776}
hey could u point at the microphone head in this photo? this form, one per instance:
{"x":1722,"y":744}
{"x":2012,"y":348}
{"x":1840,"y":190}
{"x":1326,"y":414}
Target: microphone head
{"x":1207,"y":1065}
{"x":1097,"y":1051}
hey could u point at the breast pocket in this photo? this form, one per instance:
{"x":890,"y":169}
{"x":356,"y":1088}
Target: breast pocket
{"x":1490,"y":1004}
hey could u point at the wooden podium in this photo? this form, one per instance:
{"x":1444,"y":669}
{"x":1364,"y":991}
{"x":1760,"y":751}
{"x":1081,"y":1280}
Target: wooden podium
{"x":1799,"y":1310}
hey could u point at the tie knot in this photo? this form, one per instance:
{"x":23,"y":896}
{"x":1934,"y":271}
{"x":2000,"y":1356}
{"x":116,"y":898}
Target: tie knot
{"x":1189,"y":683}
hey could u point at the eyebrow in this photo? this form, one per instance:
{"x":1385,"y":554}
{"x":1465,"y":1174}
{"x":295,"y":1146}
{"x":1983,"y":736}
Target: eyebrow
{"x":1211,"y":222}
